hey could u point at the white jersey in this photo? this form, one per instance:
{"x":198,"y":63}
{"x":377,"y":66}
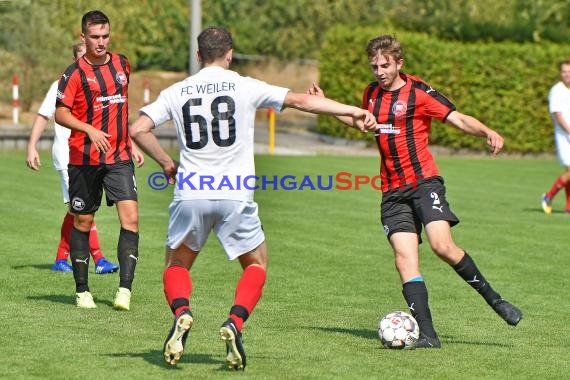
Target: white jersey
{"x":60,"y":147}
{"x":214,"y":114}
{"x":559,"y":101}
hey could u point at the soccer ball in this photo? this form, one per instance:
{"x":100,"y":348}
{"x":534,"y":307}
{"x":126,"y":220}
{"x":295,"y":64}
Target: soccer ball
{"x":398,"y":330}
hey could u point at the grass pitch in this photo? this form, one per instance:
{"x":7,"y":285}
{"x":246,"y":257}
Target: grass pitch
{"x":331,"y":277}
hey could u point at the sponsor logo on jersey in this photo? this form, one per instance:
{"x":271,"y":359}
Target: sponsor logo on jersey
{"x":387,"y":129}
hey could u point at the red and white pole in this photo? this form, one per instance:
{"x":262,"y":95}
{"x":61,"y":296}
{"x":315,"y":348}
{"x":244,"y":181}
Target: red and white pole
{"x":15,"y":100}
{"x":146,"y":92}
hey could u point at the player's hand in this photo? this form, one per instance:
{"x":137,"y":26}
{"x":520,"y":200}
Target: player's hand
{"x":138,"y":156}
{"x":99,"y":139}
{"x":370,"y":121}
{"x":363,"y":120}
{"x":33,"y":159}
{"x":495,"y":141}
{"x":171,"y":169}
{"x":316,"y":90}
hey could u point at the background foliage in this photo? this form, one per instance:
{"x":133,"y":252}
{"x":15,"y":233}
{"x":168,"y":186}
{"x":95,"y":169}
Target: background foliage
{"x":504,"y":85}
{"x":36,"y":35}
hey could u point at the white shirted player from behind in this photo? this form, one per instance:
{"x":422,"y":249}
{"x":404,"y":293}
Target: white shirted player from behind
{"x":213,"y":113}
{"x":60,"y":156}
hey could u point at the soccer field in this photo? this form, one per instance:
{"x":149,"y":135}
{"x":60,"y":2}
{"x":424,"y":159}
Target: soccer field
{"x":331,"y":277}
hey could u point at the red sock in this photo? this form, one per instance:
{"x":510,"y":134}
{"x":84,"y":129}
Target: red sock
{"x":558,"y":184}
{"x":248,"y":293}
{"x":567,"y":188}
{"x":177,"y":288}
{"x":63,"y":247}
{"x":94,"y":246}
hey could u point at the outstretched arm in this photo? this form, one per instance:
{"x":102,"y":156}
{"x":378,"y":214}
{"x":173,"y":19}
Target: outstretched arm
{"x":472,"y":126}
{"x":33,"y":158}
{"x":317,"y":103}
{"x":316,"y":90}
{"x":141,"y":133}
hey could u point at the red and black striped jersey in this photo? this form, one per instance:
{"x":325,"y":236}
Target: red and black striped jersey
{"x":404,"y":122}
{"x":97,"y":95}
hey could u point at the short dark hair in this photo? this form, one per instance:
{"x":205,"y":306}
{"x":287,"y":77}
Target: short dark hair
{"x":386,"y":45}
{"x":213,"y":43}
{"x":93,"y":18}
{"x":563,"y":63}
{"x":77,"y":47}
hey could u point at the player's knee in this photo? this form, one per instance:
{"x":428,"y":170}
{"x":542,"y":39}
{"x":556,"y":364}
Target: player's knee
{"x":83,"y":222}
{"x":445,"y":250}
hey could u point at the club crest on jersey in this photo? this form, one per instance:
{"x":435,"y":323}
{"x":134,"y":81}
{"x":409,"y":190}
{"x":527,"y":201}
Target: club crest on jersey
{"x":121,"y":78}
{"x":399,"y":108}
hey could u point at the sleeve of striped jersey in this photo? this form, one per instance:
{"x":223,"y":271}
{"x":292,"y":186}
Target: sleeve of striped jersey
{"x":366,"y":96}
{"x":437,"y":105}
{"x":67,"y":89}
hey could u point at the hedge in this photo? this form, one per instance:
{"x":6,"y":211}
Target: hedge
{"x":505,"y":85}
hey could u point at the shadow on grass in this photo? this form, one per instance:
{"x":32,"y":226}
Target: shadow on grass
{"x":33,"y":266}
{"x":373,"y":334}
{"x":67,"y":299}
{"x":155,"y":357}
{"x":57,"y":298}
{"x":360,"y":333}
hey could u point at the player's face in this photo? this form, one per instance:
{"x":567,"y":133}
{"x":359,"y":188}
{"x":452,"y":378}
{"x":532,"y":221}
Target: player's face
{"x":386,"y":70}
{"x":96,"y":40}
{"x":565,"y":75}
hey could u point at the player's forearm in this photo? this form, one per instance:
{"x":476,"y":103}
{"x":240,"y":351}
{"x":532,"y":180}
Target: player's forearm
{"x":319,"y":104}
{"x":468,"y":124}
{"x":37,"y":129}
{"x":346,"y":120}
{"x":148,"y":143}
{"x":64,"y":118}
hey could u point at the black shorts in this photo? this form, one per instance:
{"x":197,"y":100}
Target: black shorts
{"x":86,"y":184}
{"x":407,"y":209}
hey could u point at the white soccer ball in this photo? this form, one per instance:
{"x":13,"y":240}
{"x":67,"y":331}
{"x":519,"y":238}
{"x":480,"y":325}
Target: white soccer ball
{"x":398,"y":330}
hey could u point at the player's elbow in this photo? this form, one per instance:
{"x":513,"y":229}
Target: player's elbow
{"x":141,"y":126}
{"x":59,"y":115}
{"x":297,"y":100}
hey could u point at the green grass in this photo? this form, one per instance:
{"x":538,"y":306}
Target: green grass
{"x":331,"y":277}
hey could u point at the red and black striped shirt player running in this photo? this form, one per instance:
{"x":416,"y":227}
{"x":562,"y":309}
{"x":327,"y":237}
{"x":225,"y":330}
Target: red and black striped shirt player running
{"x":92,"y":101}
{"x":413,"y":192}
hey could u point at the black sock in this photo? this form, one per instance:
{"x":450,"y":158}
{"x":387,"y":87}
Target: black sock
{"x":79,"y":254}
{"x":468,"y":271}
{"x":416,"y":296}
{"x":128,"y":255}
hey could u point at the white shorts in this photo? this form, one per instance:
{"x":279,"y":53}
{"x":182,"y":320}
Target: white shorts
{"x":235,"y":223}
{"x":64,"y":179}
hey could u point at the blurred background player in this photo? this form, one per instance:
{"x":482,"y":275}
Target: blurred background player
{"x":214,"y":113}
{"x":559,"y":108}
{"x":92,"y":101}
{"x":60,"y":156}
{"x":413,"y":192}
